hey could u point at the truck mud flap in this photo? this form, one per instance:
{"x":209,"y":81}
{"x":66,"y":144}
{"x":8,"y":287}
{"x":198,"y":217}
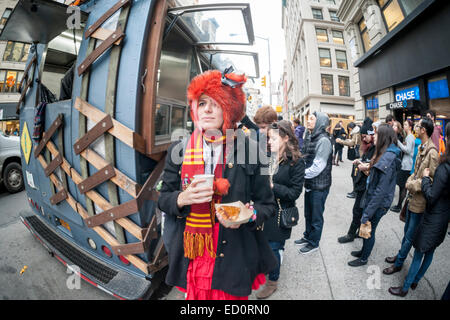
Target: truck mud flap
{"x":115,"y":282}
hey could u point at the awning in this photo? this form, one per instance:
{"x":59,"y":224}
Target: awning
{"x":223,"y":23}
{"x":242,"y":61}
{"x":8,"y":111}
{"x":37,"y":21}
{"x":346,"y":110}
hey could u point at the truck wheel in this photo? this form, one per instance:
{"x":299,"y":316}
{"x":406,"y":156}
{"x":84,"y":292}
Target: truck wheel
{"x":13,"y":178}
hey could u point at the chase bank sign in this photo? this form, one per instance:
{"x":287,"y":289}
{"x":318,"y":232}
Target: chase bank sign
{"x":407,"y":94}
{"x":397,"y":105}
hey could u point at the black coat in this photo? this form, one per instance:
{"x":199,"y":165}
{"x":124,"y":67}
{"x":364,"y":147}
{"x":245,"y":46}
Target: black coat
{"x":287,"y":186}
{"x":242,"y":253}
{"x":433,"y":226}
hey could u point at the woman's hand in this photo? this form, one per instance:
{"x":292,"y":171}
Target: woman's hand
{"x":221,"y":219}
{"x":338,"y":140}
{"x":426,"y":172}
{"x":363,"y":166}
{"x":194,"y":194}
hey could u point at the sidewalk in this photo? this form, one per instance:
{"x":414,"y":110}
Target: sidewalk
{"x":325,"y":275}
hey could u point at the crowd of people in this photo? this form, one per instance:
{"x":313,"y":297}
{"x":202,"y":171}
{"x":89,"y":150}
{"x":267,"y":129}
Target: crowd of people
{"x":211,"y":259}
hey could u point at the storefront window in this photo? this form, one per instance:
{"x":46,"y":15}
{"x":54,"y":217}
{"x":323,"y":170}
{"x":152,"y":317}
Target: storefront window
{"x":439,"y":97}
{"x":364,"y":35}
{"x":322,"y":35}
{"x":341,"y":59}
{"x":372,"y":108}
{"x":344,"y":86}
{"x":10,"y":80}
{"x":327,"y":84}
{"x":338,"y":37}
{"x":325,"y":57}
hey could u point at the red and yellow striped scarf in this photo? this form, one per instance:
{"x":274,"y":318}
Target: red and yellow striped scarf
{"x":200,"y":221}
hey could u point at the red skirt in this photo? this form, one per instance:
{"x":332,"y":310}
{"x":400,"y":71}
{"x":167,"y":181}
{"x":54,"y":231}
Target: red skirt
{"x":200,"y":273}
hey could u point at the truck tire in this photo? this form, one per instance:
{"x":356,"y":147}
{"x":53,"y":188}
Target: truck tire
{"x":13,"y":178}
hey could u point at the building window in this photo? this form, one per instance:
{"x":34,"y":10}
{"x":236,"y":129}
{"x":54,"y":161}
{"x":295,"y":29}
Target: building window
{"x":322,"y":35}
{"x":372,"y":108}
{"x":364,"y":35}
{"x":409,"y":5}
{"x":392,"y":13}
{"x":338,"y":37}
{"x":16,"y":51}
{"x":5,"y":17}
{"x":344,"y":86}
{"x":333,"y":16}
{"x":330,"y":1}
{"x":317,"y":13}
{"x":341,"y":59}
{"x":10,"y":80}
{"x":327,"y":84}
{"x":325,"y":57}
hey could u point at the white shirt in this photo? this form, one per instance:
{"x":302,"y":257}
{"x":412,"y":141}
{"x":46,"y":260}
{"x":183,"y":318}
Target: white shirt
{"x":211,"y":161}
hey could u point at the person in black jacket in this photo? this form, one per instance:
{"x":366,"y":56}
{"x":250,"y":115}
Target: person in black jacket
{"x":380,"y":190}
{"x":338,"y":133}
{"x":359,"y":175}
{"x":317,"y":152}
{"x":208,"y":260}
{"x":433,"y":226}
{"x":287,"y":185}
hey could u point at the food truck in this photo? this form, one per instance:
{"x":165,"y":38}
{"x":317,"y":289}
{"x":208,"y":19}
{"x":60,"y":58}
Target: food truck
{"x":102,"y":97}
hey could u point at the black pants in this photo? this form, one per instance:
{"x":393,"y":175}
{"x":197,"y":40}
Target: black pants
{"x":357,"y":210}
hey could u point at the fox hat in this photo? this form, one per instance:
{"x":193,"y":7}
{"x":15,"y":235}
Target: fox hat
{"x":225,"y":88}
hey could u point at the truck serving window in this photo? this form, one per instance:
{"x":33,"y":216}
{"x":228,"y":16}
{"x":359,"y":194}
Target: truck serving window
{"x":59,"y":65}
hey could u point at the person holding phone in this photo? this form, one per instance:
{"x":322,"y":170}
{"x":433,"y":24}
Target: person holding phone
{"x":360,"y":173}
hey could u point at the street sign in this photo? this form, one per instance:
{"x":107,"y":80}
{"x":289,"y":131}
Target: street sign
{"x":25,"y":142}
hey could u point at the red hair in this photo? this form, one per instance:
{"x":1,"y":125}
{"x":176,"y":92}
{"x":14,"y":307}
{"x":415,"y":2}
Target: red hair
{"x":231,"y":100}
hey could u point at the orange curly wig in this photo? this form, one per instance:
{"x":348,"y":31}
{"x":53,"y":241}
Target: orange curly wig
{"x":231,"y":100}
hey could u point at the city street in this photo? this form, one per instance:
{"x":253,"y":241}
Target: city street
{"x":321,"y":275}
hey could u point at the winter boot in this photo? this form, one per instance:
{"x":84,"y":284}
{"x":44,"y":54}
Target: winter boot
{"x":268,"y":290}
{"x":350,"y":236}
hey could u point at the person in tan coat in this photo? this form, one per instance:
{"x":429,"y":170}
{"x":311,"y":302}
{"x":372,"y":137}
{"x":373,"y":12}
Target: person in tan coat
{"x":355,"y":138}
{"x":427,"y":157}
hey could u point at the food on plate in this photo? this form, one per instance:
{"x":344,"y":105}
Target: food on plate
{"x":229,"y":212}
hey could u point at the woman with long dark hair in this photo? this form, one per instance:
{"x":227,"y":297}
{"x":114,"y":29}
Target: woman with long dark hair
{"x":433,"y":226}
{"x":380,"y":190}
{"x":287,"y":185}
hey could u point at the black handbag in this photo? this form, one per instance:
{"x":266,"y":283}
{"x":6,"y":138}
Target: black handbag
{"x":288,"y":217}
{"x":351,"y":154}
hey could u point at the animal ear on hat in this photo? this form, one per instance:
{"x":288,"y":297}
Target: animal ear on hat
{"x":231,"y":79}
